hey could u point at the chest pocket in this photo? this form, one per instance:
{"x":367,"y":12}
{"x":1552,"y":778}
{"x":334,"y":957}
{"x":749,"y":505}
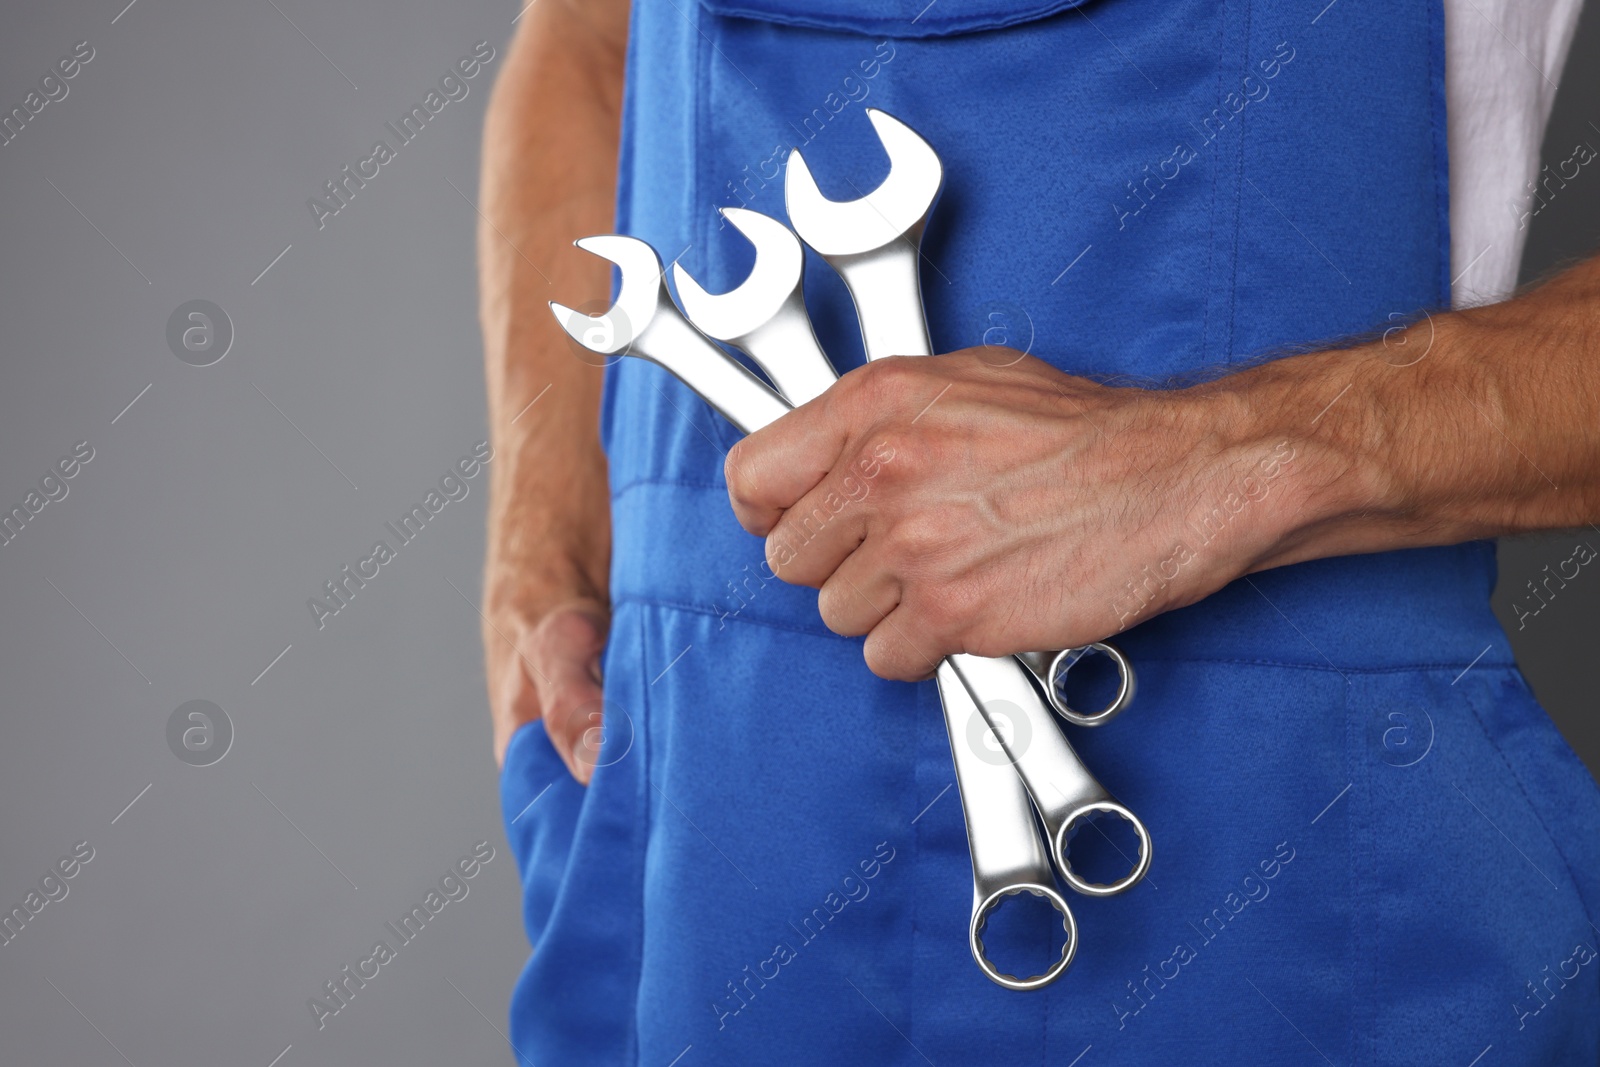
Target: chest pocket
{"x":1131,"y":193}
{"x":1053,"y":121}
{"x":893,"y":18}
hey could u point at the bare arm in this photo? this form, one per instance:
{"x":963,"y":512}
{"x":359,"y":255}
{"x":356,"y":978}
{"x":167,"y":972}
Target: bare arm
{"x":549,"y":176}
{"x":1076,"y":506}
{"x":1482,"y":422}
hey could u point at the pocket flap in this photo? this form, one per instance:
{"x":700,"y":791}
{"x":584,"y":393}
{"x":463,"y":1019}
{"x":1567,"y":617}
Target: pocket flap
{"x":893,"y":18}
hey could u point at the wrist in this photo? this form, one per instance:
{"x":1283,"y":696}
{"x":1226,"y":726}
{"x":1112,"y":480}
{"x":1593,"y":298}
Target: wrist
{"x":549,"y":538}
{"x":1301,"y":444}
{"x":531,"y":584}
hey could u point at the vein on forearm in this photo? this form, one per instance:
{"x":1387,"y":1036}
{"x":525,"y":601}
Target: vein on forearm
{"x":1467,"y":424}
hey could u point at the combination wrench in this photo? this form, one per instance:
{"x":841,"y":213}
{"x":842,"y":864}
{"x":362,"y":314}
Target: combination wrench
{"x":765,"y":317}
{"x":874,"y":244}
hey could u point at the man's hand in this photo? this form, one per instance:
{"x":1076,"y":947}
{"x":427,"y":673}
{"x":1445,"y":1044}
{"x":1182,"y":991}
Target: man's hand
{"x":985,"y":502}
{"x":548,"y":667}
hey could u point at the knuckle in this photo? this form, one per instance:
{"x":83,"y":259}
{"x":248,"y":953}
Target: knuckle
{"x":780,"y":553}
{"x":896,"y":372}
{"x":879,"y":654}
{"x":947,"y":614}
{"x":881,"y":383}
{"x":835,"y":604}
{"x":916,"y":537}
{"x":734,"y":471}
{"x":879,"y":457}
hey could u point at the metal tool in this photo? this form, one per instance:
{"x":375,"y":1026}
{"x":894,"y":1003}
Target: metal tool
{"x":1008,"y":856}
{"x":1067,"y":795}
{"x":1050,"y":669}
{"x":874,"y":244}
{"x":644,"y":322}
{"x":765,"y":317}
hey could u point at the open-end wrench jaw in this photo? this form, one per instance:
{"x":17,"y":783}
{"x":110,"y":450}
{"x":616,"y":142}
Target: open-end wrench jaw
{"x":765,"y":315}
{"x":639,"y":298}
{"x":645,"y":323}
{"x":896,"y":210}
{"x":773,"y":280}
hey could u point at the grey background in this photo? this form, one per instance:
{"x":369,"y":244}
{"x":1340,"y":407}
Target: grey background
{"x":206,"y":519}
{"x":1556,"y":648}
{"x":178,"y":566}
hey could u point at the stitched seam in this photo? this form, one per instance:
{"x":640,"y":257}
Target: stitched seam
{"x":1238,"y":202}
{"x":647,"y":827}
{"x":1566,"y":865}
{"x":1404,"y":668}
{"x":947,"y":24}
{"x":674,"y":483}
{"x":699,"y":610}
{"x":1211,"y":230}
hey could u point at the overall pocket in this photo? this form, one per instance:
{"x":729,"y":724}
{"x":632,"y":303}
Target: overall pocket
{"x":1043,"y":117}
{"x":893,"y":18}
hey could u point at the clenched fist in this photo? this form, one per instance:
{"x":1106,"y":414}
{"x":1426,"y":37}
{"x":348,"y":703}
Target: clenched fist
{"x":985,"y":502}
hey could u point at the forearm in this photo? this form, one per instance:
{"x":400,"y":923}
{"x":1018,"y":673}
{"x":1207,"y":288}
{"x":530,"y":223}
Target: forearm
{"x":549,"y":171}
{"x":1468,"y":424}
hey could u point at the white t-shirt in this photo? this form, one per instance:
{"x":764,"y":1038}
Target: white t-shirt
{"x":1503,"y":59}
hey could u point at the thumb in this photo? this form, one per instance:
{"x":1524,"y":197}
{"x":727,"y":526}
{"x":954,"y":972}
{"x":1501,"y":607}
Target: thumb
{"x":567,"y":645}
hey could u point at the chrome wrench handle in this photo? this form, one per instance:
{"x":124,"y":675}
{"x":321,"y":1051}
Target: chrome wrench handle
{"x":1062,"y":788}
{"x":719,"y":380}
{"x":1007,"y":856}
{"x":886,"y":287}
